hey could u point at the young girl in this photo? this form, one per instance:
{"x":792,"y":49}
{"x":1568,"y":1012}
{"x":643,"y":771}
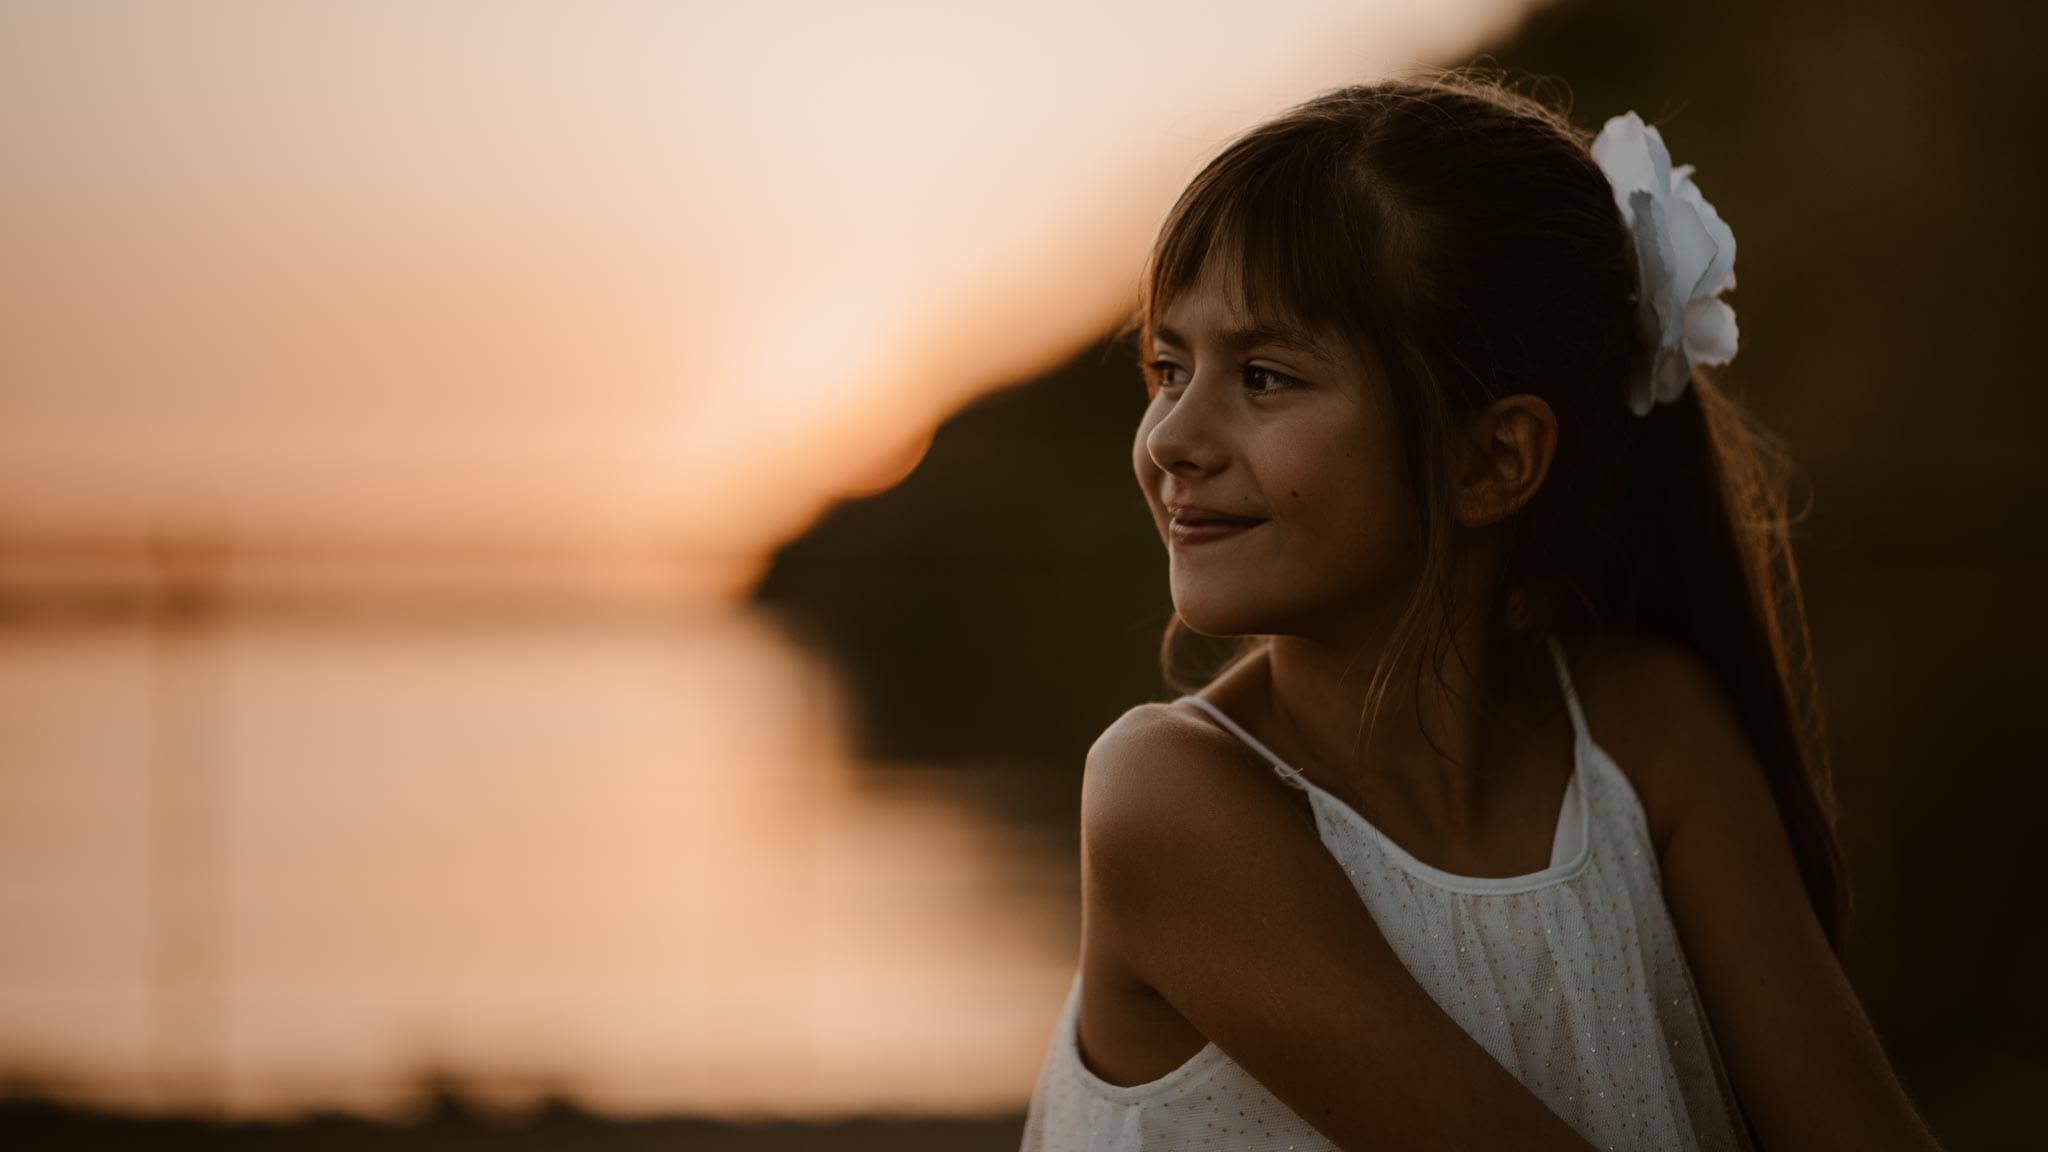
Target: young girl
{"x":1425,"y":432}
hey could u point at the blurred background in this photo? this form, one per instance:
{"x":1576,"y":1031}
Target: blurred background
{"x":558,"y":562}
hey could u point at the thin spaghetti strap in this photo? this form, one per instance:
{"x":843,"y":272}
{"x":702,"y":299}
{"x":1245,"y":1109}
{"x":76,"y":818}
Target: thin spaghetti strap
{"x":1571,"y":694}
{"x":1284,"y":770}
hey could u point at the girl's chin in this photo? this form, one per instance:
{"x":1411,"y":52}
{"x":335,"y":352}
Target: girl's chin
{"x":1213,"y":619}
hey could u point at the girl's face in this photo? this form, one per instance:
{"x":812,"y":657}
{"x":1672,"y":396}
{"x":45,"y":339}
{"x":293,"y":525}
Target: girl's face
{"x":1294,"y":435}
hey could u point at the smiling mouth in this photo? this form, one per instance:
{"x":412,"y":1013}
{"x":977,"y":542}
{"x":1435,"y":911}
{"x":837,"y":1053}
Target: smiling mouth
{"x":1203,"y":531}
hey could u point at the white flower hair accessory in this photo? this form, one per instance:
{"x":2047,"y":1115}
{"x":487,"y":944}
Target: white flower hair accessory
{"x":1685,"y":256}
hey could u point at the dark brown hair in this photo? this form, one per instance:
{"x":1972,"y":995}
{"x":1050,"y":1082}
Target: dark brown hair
{"x":1459,"y":237}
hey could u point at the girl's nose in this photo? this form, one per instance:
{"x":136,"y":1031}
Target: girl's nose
{"x":1191,"y":434}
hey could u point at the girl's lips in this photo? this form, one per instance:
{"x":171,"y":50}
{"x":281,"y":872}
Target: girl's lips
{"x":1202,"y":531}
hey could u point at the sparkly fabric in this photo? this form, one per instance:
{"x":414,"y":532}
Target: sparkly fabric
{"x":1571,"y":977}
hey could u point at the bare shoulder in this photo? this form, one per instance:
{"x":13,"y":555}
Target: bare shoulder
{"x":1657,"y":708}
{"x":1161,"y":784}
{"x":1163,"y":780}
{"x":1159,"y":762}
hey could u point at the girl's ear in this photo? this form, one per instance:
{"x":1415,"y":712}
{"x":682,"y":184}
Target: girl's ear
{"x":1505,"y":458}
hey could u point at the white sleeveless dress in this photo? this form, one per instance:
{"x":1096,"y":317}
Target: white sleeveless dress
{"x":1572,"y":978}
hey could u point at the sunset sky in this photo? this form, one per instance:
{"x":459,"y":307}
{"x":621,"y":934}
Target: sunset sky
{"x":609,"y":278}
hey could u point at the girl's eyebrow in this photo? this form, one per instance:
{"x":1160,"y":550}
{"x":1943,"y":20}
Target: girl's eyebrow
{"x":1243,"y":339}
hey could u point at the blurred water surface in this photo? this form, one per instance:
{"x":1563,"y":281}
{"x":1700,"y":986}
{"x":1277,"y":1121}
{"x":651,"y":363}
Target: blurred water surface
{"x":256,"y":864}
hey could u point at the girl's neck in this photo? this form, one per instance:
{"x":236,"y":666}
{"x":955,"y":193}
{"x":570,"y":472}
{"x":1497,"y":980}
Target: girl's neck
{"x":1442,"y":755}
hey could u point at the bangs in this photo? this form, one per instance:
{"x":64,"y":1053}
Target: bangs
{"x":1280,"y":211}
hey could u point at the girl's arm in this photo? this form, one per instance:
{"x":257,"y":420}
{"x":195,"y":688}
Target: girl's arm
{"x":1212,"y":890}
{"x":1808,"y":1067}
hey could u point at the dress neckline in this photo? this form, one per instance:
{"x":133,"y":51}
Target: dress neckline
{"x":1574,"y":820}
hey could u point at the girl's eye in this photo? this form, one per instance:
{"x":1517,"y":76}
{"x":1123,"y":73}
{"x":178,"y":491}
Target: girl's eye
{"x":1158,"y":374}
{"x":1283,"y":381}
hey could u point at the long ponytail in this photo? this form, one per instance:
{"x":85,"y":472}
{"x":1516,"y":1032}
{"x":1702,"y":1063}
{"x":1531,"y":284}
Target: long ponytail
{"x":1708,"y":562}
